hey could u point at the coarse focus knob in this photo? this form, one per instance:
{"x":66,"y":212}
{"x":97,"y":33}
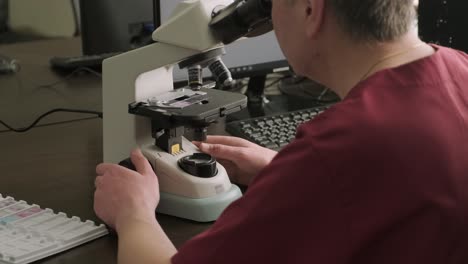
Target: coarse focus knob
{"x":199,"y":164}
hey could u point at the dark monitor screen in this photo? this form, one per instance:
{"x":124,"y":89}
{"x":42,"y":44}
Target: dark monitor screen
{"x":245,"y":58}
{"x":115,"y":26}
{"x":3,"y":15}
{"x":444,"y":22}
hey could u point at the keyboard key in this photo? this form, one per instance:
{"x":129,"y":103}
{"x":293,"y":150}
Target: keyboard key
{"x":29,"y":233}
{"x":273,"y":132}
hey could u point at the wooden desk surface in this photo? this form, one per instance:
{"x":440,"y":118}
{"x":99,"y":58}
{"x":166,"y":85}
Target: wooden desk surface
{"x":54,"y":166}
{"x":21,"y":98}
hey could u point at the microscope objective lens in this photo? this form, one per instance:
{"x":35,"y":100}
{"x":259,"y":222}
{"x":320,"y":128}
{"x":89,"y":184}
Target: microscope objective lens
{"x":195,"y":79}
{"x":221,"y":72}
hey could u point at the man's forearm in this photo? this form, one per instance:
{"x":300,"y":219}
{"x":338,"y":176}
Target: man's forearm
{"x":142,"y":242}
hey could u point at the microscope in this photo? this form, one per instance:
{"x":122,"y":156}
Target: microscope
{"x":142,"y":108}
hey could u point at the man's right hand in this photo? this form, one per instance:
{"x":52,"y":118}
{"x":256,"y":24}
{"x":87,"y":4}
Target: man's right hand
{"x":241,"y":158}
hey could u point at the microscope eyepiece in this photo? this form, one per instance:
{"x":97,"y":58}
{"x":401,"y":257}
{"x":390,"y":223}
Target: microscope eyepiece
{"x":241,"y":18}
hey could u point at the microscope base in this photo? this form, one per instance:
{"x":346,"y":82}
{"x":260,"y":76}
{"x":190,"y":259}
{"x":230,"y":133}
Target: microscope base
{"x":200,"y":210}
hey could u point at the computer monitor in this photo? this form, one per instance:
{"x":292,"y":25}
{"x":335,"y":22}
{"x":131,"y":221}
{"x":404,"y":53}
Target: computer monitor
{"x":3,"y":15}
{"x":245,"y":58}
{"x":444,"y":22}
{"x":116,"y":26}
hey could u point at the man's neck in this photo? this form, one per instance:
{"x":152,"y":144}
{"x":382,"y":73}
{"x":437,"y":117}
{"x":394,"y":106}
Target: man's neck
{"x":352,"y":63}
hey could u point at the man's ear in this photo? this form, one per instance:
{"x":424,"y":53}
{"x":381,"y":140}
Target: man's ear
{"x":314,"y":12}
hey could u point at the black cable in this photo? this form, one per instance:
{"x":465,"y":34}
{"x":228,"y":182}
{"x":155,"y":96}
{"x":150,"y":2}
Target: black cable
{"x":69,"y":76}
{"x":56,"y":123}
{"x":24,"y":129}
{"x":276,"y":81}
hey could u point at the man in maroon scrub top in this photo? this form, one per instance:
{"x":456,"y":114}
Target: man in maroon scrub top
{"x":380,"y":177}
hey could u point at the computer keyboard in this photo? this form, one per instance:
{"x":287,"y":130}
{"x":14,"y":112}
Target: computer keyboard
{"x":70,"y":63}
{"x":29,"y":233}
{"x":274,"y":131}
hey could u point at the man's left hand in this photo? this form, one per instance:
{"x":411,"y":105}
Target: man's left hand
{"x":123,"y":195}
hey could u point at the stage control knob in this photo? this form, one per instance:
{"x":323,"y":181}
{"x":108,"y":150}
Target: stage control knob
{"x":199,"y":164}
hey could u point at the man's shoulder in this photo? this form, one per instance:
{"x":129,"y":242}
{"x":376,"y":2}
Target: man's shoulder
{"x":346,"y":119}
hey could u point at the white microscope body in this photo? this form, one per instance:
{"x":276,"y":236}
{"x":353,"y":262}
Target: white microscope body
{"x":147,"y":72}
{"x":144,"y":77}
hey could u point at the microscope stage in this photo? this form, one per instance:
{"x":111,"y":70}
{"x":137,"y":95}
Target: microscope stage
{"x":188,"y":107}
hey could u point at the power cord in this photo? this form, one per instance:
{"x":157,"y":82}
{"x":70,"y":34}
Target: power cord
{"x":24,"y":129}
{"x":70,"y":75}
{"x":50,"y":85}
{"x":274,"y":82}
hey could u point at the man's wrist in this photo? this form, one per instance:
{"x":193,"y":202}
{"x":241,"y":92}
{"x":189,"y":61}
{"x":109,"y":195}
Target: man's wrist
{"x":130,"y":220}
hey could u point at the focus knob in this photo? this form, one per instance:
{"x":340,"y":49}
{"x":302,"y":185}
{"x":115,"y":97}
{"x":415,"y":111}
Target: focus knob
{"x":199,"y":164}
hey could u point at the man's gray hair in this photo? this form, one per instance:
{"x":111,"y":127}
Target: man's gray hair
{"x":374,"y":20}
